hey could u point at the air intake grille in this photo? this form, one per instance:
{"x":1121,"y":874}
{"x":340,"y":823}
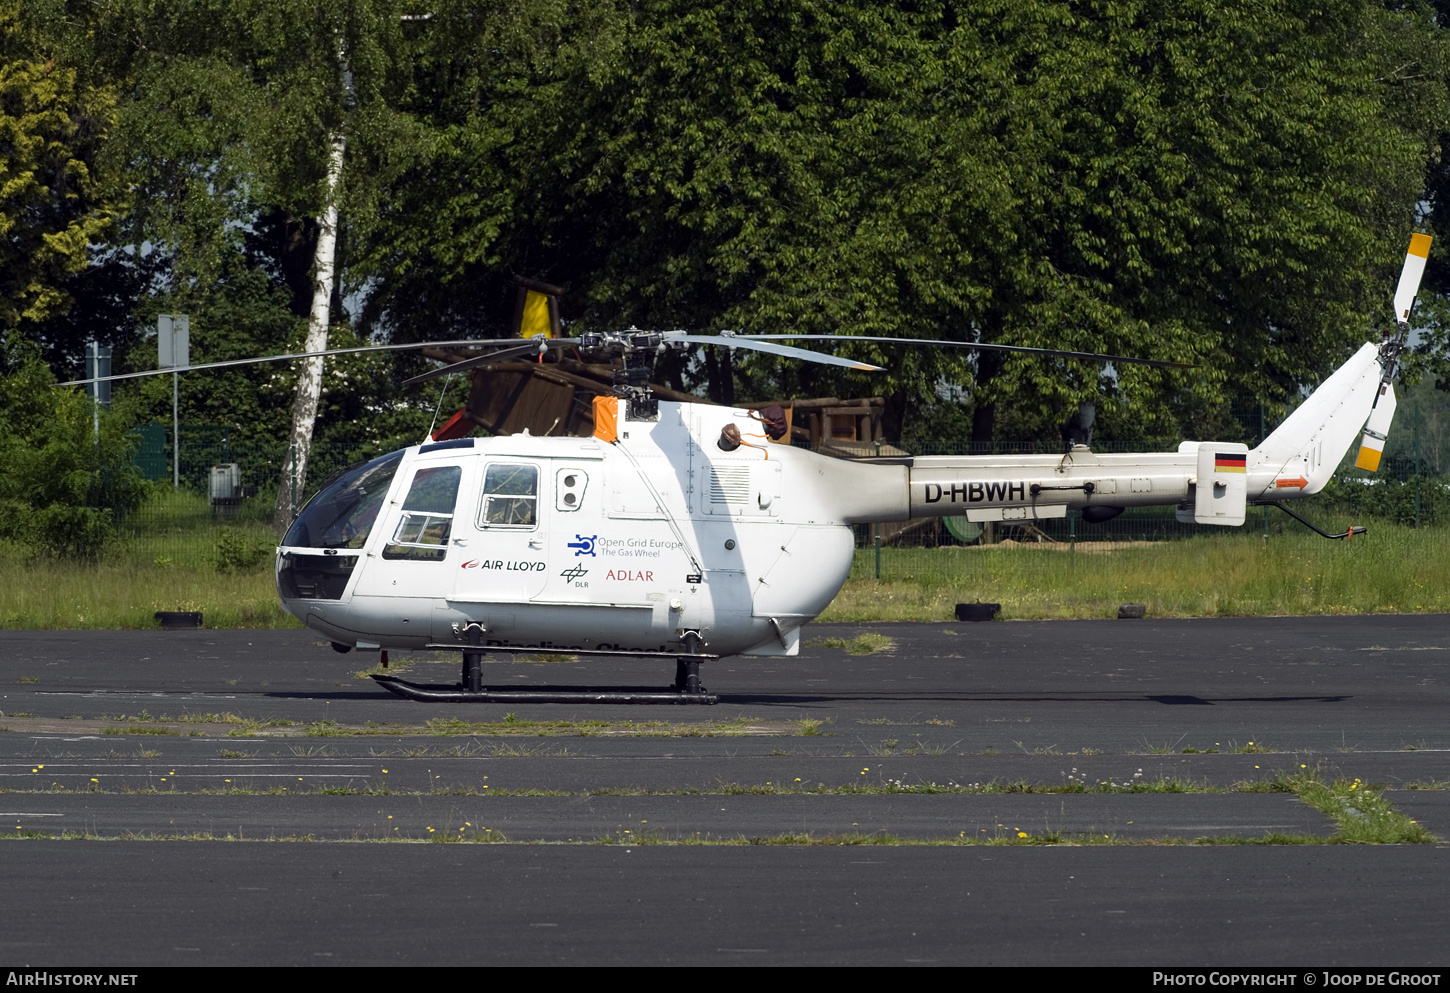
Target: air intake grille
{"x":730,"y":484}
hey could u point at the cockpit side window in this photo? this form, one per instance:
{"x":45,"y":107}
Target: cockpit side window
{"x":427,"y":519}
{"x":510,"y":496}
{"x":341,"y":515}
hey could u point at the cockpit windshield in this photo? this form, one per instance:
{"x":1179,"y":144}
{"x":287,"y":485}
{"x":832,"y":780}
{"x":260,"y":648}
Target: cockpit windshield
{"x":342,"y":514}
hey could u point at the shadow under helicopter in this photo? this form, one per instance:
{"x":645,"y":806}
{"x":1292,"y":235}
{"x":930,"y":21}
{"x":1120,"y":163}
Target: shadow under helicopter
{"x":577,"y":694}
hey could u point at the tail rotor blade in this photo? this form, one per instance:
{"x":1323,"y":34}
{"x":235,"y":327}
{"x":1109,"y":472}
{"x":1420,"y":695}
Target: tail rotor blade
{"x":1382,"y":412}
{"x":1415,"y":258}
{"x":1376,"y":430}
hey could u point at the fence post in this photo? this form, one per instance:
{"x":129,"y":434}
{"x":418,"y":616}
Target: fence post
{"x":1417,"y":473}
{"x":876,"y":528}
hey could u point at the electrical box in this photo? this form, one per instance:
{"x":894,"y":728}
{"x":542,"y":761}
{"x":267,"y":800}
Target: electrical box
{"x":224,"y":486}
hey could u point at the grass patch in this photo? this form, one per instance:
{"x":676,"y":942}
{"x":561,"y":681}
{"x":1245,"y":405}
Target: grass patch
{"x":148,"y":723}
{"x":1361,"y":813}
{"x":490,"y":836}
{"x":868,"y":643}
{"x":127,"y":586}
{"x":1272,"y":838}
{"x":249,"y":728}
{"x":1394,"y":569}
{"x":233,"y":726}
{"x":1240,"y":572}
{"x":224,"y":718}
{"x":178,"y":564}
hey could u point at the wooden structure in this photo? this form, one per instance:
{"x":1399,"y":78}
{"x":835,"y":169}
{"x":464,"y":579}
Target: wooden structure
{"x":557,"y":398}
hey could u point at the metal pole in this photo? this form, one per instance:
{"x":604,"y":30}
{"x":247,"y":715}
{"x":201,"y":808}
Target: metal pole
{"x":1263,"y":511}
{"x":175,"y":436}
{"x":293,"y":505}
{"x":93,"y":364}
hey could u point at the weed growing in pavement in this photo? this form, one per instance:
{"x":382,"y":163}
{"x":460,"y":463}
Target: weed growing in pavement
{"x":1361,"y":813}
{"x":867,"y":643}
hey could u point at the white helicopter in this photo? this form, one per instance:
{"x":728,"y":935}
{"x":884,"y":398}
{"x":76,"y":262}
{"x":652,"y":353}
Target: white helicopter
{"x":691,"y":532}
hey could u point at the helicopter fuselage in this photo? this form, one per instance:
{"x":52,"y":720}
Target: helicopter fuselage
{"x":578,"y":544}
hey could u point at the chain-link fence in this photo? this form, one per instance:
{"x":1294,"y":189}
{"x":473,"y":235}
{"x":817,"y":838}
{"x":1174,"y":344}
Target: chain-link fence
{"x":217,"y":506}
{"x":222,"y":511}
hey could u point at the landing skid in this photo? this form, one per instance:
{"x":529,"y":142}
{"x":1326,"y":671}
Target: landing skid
{"x":457,"y":694}
{"x":470,"y":688}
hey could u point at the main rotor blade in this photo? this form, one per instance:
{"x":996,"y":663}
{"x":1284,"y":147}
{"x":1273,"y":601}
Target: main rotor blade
{"x":758,"y":344}
{"x":984,"y":346}
{"x":531,"y":348}
{"x":1415,"y":259}
{"x":481,"y":343}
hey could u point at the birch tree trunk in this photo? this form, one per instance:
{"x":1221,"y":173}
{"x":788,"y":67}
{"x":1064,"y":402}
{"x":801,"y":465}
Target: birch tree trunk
{"x":309,"y":382}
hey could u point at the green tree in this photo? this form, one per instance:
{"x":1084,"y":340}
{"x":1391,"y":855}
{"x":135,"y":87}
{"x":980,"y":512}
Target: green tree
{"x":52,"y":204}
{"x":1200,"y":181}
{"x":236,"y":119}
{"x":1204,"y":182}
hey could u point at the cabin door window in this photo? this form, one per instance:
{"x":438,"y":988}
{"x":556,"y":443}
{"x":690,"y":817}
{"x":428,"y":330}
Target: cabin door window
{"x":426,"y":521}
{"x":510,"y":496}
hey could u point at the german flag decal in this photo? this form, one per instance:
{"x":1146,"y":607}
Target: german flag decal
{"x":1230,"y":462}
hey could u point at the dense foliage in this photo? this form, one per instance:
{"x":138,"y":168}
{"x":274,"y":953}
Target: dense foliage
{"x":65,"y":481}
{"x":1208,"y":181}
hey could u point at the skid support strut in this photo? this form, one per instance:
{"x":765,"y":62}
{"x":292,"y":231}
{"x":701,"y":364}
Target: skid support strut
{"x":687,"y":669}
{"x":473,"y":660}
